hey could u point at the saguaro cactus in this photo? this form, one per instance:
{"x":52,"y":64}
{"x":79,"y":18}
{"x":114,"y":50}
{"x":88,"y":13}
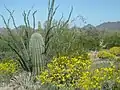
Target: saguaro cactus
{"x":36,"y":47}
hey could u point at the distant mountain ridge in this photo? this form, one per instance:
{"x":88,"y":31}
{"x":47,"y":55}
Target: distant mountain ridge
{"x":105,"y":25}
{"x":89,"y":26}
{"x":109,"y":25}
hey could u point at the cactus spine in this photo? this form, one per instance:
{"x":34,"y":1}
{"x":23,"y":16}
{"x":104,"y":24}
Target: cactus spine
{"x":36,"y":47}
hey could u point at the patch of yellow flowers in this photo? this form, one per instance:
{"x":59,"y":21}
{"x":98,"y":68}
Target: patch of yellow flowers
{"x":65,"y":71}
{"x":115,"y":51}
{"x":112,"y":53}
{"x":96,"y":78}
{"x":104,"y":54}
{"x":8,"y":67}
{"x":77,"y":72}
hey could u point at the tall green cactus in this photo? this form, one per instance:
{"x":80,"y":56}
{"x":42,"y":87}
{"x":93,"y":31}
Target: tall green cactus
{"x":36,"y":47}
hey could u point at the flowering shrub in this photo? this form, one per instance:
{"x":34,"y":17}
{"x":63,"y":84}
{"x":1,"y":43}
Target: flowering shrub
{"x":8,"y":67}
{"x":65,"y":71}
{"x":115,"y":51}
{"x":105,"y":55}
{"x":96,"y":78}
{"x":77,"y":72}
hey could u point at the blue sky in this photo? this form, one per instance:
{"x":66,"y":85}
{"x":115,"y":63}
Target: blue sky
{"x":94,"y":11}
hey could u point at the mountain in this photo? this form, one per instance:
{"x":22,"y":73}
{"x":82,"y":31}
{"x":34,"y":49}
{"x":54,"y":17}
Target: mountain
{"x":89,"y":26}
{"x":105,"y":25}
{"x":109,"y":25}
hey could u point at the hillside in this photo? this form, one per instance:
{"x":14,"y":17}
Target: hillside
{"x":89,"y":26}
{"x":105,"y":25}
{"x":109,"y":25}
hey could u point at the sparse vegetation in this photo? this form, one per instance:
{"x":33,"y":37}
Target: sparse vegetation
{"x":58,"y":56}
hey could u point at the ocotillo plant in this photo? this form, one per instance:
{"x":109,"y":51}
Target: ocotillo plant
{"x":19,"y":46}
{"x":49,"y":26}
{"x":36,"y":47}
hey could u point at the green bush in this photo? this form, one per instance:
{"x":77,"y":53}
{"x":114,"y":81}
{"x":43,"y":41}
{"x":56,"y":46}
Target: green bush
{"x":105,"y":55}
{"x":115,"y":51}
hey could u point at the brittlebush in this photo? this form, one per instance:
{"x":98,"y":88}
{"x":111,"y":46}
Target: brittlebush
{"x":65,"y":71}
{"x":8,"y":67}
{"x":77,"y":72}
{"x":115,"y":51}
{"x":105,"y":55}
{"x":96,"y":78}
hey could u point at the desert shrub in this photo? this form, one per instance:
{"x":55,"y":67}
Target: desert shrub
{"x":24,"y":81}
{"x":65,"y":71}
{"x":115,"y":51}
{"x":104,"y":54}
{"x":64,"y":42}
{"x":8,"y":54}
{"x":8,"y":68}
{"x":111,"y":38}
{"x":98,"y":77}
{"x":76,"y":72}
{"x":3,"y":46}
